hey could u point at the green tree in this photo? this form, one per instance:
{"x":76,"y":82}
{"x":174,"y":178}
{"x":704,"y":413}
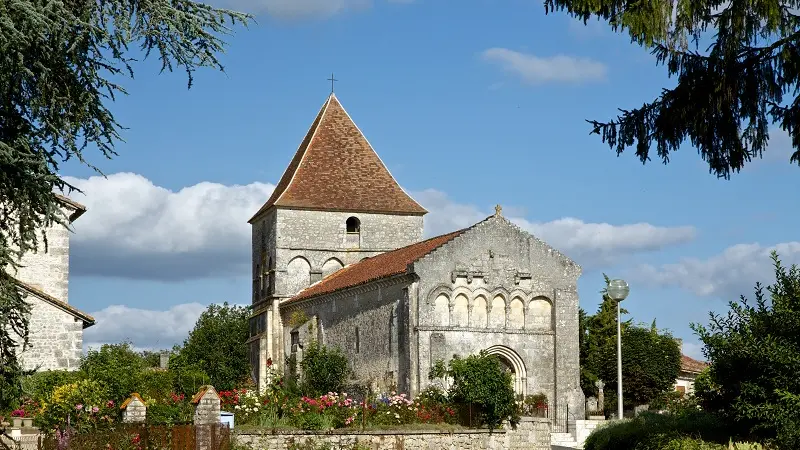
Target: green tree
{"x":479,"y":383}
{"x":754,"y":351}
{"x":217,"y":347}
{"x":650,"y":359}
{"x":117,"y":367}
{"x":324,"y":370}
{"x":598,"y":343}
{"x":728,"y":92}
{"x":61,"y":65}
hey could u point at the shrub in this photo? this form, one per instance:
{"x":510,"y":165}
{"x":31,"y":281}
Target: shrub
{"x":753,"y":378}
{"x":658,"y":431}
{"x":40,"y":385}
{"x":117,"y":367}
{"x":480,"y":385}
{"x":158,"y":385}
{"x":175,"y":410}
{"x":324,"y":370}
{"x":84,"y":405}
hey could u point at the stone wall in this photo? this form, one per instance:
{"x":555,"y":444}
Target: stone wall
{"x":496,"y":287}
{"x":56,"y":338}
{"x":531,"y":434}
{"x":363,"y":323}
{"x":48,"y":270}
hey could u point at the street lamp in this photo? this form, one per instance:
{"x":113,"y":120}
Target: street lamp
{"x":618,"y":290}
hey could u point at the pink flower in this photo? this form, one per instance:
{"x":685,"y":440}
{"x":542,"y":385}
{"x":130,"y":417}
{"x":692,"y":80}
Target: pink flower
{"x":18,"y":413}
{"x":110,"y":404}
{"x":79,"y":407}
{"x":95,"y":409}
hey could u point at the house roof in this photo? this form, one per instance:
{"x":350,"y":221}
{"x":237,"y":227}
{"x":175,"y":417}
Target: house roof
{"x":134,"y":396}
{"x":44,"y":296}
{"x":384,"y":265}
{"x":336,"y":169}
{"x":692,"y":365}
{"x":78,"y":209}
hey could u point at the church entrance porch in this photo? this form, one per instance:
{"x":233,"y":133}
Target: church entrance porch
{"x":512,"y":362}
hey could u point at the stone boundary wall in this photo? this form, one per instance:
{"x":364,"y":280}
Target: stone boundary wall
{"x":532,"y":433}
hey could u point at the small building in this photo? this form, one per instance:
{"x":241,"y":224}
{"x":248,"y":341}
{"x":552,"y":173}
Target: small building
{"x":339,"y":258}
{"x":690,"y":368}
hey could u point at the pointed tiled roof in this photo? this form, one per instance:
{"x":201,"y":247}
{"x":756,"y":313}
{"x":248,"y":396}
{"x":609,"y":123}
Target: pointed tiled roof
{"x":336,"y":169}
{"x":383,"y":265}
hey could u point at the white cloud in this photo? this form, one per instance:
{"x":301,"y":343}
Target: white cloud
{"x":145,"y":329}
{"x":589,"y":244}
{"x":539,"y":70}
{"x":728,"y":275}
{"x":134,"y":229}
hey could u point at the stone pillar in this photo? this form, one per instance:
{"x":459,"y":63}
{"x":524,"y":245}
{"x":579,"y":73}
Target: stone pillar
{"x":163,"y":360}
{"x":206,"y":406}
{"x":206,"y":418}
{"x":133,"y":409}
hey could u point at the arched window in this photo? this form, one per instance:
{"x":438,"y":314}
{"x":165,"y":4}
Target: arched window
{"x":353,"y":238}
{"x":353,"y":225}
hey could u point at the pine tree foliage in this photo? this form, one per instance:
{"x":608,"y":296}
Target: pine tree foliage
{"x":727,"y":94}
{"x":61,"y":65}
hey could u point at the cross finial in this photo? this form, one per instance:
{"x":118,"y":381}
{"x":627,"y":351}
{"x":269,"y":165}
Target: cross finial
{"x":498,"y":211}
{"x":332,"y":80}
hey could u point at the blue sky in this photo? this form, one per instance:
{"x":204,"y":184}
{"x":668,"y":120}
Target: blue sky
{"x":469,"y":106}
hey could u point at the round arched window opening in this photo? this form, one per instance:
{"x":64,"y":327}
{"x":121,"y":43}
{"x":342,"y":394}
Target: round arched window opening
{"x":353,"y":225}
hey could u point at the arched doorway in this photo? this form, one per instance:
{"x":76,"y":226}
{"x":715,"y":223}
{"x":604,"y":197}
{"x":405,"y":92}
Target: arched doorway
{"x":512,"y":362}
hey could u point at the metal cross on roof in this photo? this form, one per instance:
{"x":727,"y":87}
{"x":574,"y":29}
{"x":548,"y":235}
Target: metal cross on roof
{"x":332,"y":80}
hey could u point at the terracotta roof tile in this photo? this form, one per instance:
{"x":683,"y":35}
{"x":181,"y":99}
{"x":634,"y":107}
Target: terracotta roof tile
{"x":336,"y":169}
{"x":692,"y":365}
{"x":86,"y":318}
{"x":384,"y":265}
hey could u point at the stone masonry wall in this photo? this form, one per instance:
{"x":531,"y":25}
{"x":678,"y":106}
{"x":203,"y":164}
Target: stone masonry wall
{"x":49,"y":270}
{"x":372,"y":314}
{"x":56,"y":338}
{"x":531,"y":434}
{"x":496,"y":286}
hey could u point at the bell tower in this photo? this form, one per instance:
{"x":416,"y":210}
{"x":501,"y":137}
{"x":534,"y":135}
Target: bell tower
{"x":335,"y":204}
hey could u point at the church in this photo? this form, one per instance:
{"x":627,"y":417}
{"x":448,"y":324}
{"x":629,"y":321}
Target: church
{"x":339,"y":257}
{"x":56,"y":327}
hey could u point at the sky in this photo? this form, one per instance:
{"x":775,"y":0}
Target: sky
{"x":469,"y":106}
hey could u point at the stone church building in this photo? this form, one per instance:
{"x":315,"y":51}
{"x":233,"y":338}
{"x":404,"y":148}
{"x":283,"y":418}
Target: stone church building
{"x":56,"y":327}
{"x":339,"y":257}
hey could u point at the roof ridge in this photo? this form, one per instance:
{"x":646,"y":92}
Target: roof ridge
{"x":302,"y":147}
{"x":336,"y":168}
{"x":55,"y":302}
{"x":384,"y":269}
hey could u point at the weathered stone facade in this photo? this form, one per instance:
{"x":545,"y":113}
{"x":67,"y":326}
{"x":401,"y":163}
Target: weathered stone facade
{"x":494,"y":287}
{"x":530,"y":434}
{"x":56,"y":328}
{"x":295,"y":248}
{"x":490,"y":287}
